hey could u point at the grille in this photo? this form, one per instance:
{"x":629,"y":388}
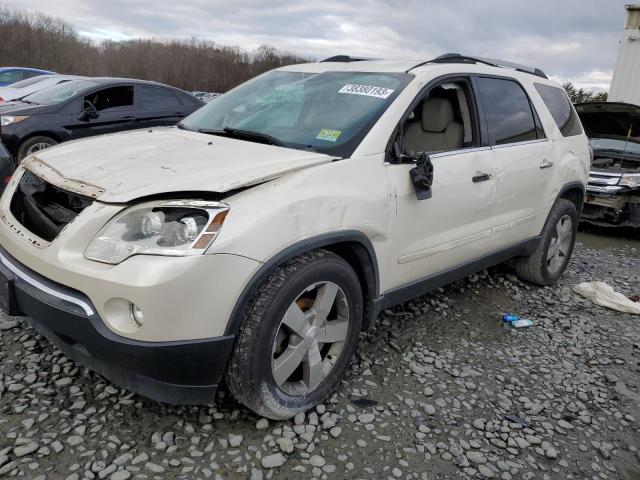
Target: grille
{"x":44,"y":209}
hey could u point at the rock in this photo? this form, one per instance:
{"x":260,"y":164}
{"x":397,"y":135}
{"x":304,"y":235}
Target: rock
{"x":235,"y":440}
{"x":273,"y":461}
{"x":335,"y":432}
{"x":317,"y":461}
{"x":120,"y":475}
{"x":365,"y":418}
{"x":285,"y":444}
{"x":24,"y":450}
{"x":154,"y":467}
{"x":262,"y":424}
{"x":429,"y":409}
{"x":551,"y":452}
{"x":476,"y":457}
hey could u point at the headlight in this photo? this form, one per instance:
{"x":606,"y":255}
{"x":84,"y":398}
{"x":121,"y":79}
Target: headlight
{"x":170,"y":228}
{"x":9,"y":119}
{"x":630,"y":180}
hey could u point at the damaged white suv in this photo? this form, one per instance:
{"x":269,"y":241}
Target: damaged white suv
{"x":260,"y":236}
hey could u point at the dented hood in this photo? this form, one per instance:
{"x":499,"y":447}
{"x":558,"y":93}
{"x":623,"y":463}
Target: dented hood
{"x":122,"y":167}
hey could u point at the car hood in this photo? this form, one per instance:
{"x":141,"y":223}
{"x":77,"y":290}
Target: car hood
{"x":8,"y":93}
{"x":21,"y":108}
{"x":122,"y":167}
{"x":611,"y":126}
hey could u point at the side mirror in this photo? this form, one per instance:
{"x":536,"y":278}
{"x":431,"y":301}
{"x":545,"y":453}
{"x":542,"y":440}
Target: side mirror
{"x":421,"y":174}
{"x":89,"y":112}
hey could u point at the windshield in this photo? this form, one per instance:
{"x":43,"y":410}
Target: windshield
{"x":61,"y":92}
{"x":329,"y":112}
{"x":29,"y":81}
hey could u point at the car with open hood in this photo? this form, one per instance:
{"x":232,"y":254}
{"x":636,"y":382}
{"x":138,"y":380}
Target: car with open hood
{"x":261,"y":235}
{"x":613,"y":193}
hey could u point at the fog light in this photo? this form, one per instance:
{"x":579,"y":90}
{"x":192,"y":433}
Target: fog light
{"x":136,"y":314}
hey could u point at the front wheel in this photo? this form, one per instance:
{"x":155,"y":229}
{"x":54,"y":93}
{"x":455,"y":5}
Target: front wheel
{"x":549,"y":261}
{"x":33,"y":145}
{"x":298,"y":336}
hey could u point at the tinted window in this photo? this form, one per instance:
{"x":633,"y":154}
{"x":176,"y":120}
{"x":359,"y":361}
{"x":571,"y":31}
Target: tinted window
{"x":27,"y":74}
{"x":154,"y":97}
{"x":111,"y":98}
{"x":11,"y":76}
{"x":508,"y":111}
{"x":561,"y":110}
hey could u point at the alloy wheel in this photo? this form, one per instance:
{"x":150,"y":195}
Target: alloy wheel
{"x":560,"y":244}
{"x":310,"y":338}
{"x":36,"y":147}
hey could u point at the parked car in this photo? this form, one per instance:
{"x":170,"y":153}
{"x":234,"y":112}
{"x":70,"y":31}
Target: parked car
{"x":205,"y":96}
{"x":613,"y":193}
{"x":88,"y":107}
{"x":34,"y":84}
{"x":261,"y":235}
{"x":9,"y":75}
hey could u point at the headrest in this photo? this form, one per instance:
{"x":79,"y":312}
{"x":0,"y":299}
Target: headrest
{"x":437,"y":114}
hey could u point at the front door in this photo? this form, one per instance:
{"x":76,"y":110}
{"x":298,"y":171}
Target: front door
{"x":454,"y":225}
{"x":116,"y":111}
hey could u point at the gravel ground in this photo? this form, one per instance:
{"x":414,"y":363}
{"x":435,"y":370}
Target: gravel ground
{"x":459,"y":395}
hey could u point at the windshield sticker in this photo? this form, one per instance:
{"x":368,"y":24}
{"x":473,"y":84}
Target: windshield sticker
{"x":328,"y":135}
{"x":367,"y":90}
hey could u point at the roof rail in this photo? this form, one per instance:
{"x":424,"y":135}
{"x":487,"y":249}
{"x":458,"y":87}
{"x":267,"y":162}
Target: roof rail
{"x":458,"y":58}
{"x":345,"y":59}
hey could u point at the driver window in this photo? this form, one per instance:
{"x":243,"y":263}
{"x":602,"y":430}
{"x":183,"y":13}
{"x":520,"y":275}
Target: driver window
{"x":110,"y":98}
{"x":442,"y":121}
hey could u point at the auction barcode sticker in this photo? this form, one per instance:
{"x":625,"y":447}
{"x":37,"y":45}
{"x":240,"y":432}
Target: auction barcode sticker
{"x":369,"y":91}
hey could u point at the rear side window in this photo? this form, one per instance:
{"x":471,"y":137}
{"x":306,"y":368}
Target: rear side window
{"x":561,"y":109}
{"x":508,"y":111}
{"x":154,"y":97}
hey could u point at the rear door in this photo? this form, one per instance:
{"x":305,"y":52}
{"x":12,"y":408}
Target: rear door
{"x":522,"y":157}
{"x":159,"y":106}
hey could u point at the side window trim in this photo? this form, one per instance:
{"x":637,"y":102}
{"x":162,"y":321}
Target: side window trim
{"x":536,"y":118}
{"x":474,"y":113}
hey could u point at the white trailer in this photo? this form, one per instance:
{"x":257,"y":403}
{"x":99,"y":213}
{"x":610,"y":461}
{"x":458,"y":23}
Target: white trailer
{"x":625,"y":84}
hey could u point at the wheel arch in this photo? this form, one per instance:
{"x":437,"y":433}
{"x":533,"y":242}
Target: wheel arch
{"x":41,"y":133}
{"x":575,"y":193}
{"x":352,"y":246}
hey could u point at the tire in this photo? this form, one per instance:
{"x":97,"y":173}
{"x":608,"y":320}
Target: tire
{"x":257,"y":375}
{"x":548,"y":262}
{"x":30,"y":145}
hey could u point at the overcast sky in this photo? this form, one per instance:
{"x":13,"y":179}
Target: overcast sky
{"x":573,"y":40}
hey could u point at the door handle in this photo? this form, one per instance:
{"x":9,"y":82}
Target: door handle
{"x":128,"y":119}
{"x":546,"y":164}
{"x":481,"y":177}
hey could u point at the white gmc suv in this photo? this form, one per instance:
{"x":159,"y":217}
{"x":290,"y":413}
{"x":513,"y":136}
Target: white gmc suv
{"x":261,"y":235}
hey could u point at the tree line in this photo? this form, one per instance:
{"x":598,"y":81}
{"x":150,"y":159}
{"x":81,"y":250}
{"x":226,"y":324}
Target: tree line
{"x":42,"y":41}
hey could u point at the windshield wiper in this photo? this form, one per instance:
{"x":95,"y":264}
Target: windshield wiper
{"x":182,"y":126}
{"x":30,"y":102}
{"x":248,"y":134}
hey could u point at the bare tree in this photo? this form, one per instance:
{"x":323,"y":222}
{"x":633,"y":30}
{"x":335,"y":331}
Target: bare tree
{"x":41,"y":41}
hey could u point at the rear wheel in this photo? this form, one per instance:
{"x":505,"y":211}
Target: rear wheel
{"x":298,"y":336}
{"x":34,"y":145}
{"x":549,"y":261}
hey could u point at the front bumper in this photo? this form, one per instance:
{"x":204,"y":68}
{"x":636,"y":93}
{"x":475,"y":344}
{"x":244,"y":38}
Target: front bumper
{"x":185,"y":372}
{"x":621,"y":210}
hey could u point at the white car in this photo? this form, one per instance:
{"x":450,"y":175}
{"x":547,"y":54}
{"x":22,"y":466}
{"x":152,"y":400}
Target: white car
{"x":261,"y":235}
{"x":34,"y":84}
